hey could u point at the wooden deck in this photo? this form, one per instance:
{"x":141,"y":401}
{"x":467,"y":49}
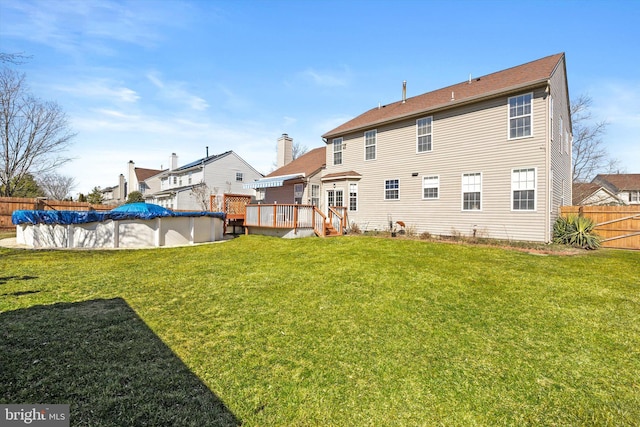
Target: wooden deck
{"x":296,"y":217}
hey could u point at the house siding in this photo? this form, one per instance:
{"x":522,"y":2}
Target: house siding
{"x":467,"y":139}
{"x":560,"y":162}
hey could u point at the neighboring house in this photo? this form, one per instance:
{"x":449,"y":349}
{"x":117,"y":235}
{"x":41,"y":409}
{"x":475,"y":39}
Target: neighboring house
{"x":295,"y":181}
{"x":489,"y":157}
{"x":190,"y":187}
{"x":588,"y":193}
{"x":138,"y":179}
{"x":626,"y":186}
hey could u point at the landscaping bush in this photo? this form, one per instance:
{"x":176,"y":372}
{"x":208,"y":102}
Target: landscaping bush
{"x":576,"y":231}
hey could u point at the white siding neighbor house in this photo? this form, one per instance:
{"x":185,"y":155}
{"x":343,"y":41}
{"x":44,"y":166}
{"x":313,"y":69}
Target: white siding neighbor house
{"x":191,"y":186}
{"x":626,"y":186}
{"x":488,"y":157}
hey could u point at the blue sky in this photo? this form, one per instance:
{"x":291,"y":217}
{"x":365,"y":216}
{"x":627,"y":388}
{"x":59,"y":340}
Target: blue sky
{"x":142,"y":79}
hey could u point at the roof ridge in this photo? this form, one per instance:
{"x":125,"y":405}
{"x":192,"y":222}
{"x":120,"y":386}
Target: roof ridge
{"x":534,"y":72}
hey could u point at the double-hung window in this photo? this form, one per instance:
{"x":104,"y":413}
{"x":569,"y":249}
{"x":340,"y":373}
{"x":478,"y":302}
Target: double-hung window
{"x":430,"y":187}
{"x":337,"y":151}
{"x":239,"y":177}
{"x":392,"y":189}
{"x":370,"y":145}
{"x":353,"y":197}
{"x":523,"y":189}
{"x":520,"y":116}
{"x":471,"y":191}
{"x":423,"y":130}
{"x":315,"y":194}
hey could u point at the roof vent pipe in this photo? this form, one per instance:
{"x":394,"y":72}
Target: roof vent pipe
{"x":404,"y":91}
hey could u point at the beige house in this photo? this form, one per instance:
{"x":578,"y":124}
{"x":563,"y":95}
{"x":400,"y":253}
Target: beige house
{"x":489,"y":157}
{"x":294,"y":181}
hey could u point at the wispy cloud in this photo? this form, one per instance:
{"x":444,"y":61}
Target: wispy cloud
{"x":175,"y":91}
{"x":327,"y":78}
{"x":88,"y":25}
{"x":103,"y":89}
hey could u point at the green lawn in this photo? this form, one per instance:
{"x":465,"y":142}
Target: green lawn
{"x":342,"y":331}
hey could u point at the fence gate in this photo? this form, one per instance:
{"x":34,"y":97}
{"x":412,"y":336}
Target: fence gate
{"x":618,"y":226}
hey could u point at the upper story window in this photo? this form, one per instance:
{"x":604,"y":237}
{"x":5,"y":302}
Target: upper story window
{"x":370,"y":144}
{"x":520,"y":116}
{"x":430,"y":187}
{"x":523,"y":189}
{"x":175,"y":180}
{"x":392,"y":189}
{"x":423,"y":129}
{"x":239,"y":177}
{"x":471,"y":191}
{"x":337,"y":151}
{"x":190,"y":177}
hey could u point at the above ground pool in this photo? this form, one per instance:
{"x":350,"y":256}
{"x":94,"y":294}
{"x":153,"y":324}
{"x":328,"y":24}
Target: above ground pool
{"x":133,"y":225}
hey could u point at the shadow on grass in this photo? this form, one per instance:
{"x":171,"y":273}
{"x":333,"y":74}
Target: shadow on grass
{"x":102,"y":359}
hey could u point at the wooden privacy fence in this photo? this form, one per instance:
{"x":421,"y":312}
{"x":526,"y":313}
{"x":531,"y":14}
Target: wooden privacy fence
{"x":10,"y":204}
{"x":618,"y":226}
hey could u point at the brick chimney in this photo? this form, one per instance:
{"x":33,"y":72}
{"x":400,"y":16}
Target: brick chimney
{"x":285,"y":150}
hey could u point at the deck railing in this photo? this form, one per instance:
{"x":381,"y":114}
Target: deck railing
{"x":286,"y":216}
{"x":295,"y":217}
{"x":338,"y":218}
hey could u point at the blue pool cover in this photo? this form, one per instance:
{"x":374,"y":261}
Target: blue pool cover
{"x":128,"y":211}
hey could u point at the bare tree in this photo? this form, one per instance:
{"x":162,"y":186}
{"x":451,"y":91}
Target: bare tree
{"x":14,"y":58}
{"x":297,"y":149}
{"x":202,"y":194}
{"x":590,"y":155}
{"x":33,"y":133}
{"x":56,"y":186}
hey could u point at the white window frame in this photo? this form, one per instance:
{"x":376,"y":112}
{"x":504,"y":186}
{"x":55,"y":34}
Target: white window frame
{"x":465,"y":187}
{"x":368,"y":144}
{"x":386,"y":181}
{"x":239,"y":176}
{"x":432,"y":184}
{"x":353,"y":196}
{"x":337,"y":142}
{"x":521,"y":116}
{"x":428,"y":133}
{"x":315,"y":195}
{"x":529,"y":185}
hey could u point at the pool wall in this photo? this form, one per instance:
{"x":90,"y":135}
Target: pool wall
{"x":127,"y":233}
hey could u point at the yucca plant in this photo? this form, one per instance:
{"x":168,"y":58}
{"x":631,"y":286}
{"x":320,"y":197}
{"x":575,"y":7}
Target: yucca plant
{"x":576,"y":231}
